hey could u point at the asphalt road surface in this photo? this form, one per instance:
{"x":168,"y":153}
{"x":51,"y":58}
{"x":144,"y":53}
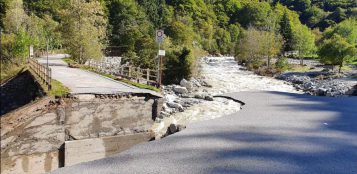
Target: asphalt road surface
{"x":84,"y":82}
{"x":274,"y":133}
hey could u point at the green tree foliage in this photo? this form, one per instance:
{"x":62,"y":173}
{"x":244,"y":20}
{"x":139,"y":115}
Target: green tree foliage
{"x":178,"y":66}
{"x":322,"y":14}
{"x":287,"y":32}
{"x":337,"y":51}
{"x":83,"y":26}
{"x":303,"y":41}
{"x":3,"y":7}
{"x":340,"y":44}
{"x":257,"y":45}
{"x":131,"y":32}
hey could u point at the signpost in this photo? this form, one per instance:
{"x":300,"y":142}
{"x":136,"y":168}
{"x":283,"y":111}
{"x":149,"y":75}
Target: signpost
{"x":160,"y":36}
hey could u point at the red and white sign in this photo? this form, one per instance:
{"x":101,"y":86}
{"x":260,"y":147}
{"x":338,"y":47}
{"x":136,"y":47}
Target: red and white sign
{"x":160,"y":36}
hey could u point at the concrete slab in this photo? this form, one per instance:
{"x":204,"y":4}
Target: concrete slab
{"x":79,"y":151}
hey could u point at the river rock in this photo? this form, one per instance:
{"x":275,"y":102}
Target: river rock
{"x":321,"y":92}
{"x":196,"y":83}
{"x":209,"y":98}
{"x":199,"y":96}
{"x":176,"y":106}
{"x":188,"y":85}
{"x":180,"y":89}
{"x":173,"y":128}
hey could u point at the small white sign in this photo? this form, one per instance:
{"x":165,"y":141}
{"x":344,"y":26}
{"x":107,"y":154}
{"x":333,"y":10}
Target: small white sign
{"x":160,"y":36}
{"x":31,"y":50}
{"x":162,"y":52}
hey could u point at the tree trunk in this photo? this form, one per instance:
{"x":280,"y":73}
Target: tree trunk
{"x":301,"y":61}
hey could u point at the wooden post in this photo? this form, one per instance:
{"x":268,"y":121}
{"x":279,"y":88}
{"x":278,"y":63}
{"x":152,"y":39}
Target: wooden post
{"x":147,"y":75}
{"x":129,"y":72}
{"x":138,"y":74}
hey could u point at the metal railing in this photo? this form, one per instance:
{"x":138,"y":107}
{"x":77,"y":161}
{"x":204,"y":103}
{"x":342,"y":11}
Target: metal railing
{"x":41,"y":71}
{"x":140,"y":75}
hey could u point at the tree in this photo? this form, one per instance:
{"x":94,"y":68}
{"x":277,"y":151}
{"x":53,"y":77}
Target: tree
{"x":15,"y":17}
{"x":337,"y":51}
{"x":271,"y":45}
{"x":3,"y":7}
{"x":83,"y":29}
{"x":287,"y":32}
{"x":303,"y":41}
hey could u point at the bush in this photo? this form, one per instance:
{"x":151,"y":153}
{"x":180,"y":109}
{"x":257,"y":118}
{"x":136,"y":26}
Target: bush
{"x":281,"y":65}
{"x":178,"y":65}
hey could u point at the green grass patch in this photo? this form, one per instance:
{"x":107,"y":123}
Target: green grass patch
{"x":346,"y":69}
{"x":69,"y":60}
{"x":141,"y":86}
{"x":9,"y":71}
{"x":58,"y":89}
{"x":354,"y":63}
{"x":298,"y":68}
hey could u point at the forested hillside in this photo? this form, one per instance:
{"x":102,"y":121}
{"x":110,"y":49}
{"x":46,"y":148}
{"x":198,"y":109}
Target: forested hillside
{"x":322,"y":13}
{"x":249,"y":29}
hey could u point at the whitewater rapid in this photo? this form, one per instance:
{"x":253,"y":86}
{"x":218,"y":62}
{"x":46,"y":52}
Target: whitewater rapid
{"x":225,"y":76}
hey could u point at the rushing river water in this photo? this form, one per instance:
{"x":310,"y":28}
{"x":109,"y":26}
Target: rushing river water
{"x":225,"y":76}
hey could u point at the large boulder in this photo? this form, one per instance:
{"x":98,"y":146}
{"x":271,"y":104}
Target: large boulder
{"x":188,"y":85}
{"x":180,"y":89}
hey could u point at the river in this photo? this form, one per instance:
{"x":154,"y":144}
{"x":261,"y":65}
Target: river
{"x":225,"y":76}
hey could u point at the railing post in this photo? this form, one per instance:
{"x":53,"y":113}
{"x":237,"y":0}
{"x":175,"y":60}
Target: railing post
{"x":129,"y":72}
{"x":147,"y":75}
{"x":138,"y":74}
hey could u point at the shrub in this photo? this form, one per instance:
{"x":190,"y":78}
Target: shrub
{"x":281,"y":65}
{"x":178,"y":65}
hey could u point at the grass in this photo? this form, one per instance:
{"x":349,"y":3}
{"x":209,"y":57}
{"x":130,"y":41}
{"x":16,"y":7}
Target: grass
{"x":69,"y":60}
{"x":58,"y":89}
{"x":139,"y":85}
{"x":346,"y":69}
{"x":299,"y":68}
{"x":10,"y":71}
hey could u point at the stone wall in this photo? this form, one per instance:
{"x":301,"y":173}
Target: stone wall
{"x":18,"y":92}
{"x":33,"y":137}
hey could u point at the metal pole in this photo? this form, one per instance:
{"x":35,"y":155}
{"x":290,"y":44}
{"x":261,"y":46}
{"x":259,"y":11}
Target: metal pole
{"x":158,"y":67}
{"x":47,"y":51}
{"x":0,"y":44}
{"x":160,"y":70}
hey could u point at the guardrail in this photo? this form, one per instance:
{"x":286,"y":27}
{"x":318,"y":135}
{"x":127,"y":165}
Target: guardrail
{"x":42,"y":72}
{"x":140,"y":75}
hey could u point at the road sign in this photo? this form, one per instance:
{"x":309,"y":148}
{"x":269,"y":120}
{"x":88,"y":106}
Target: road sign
{"x":31,"y":51}
{"x":160,"y":36}
{"x":162,"y":52}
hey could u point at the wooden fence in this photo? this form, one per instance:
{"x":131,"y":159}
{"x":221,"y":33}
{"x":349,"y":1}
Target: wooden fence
{"x":42,"y":72}
{"x":140,"y":75}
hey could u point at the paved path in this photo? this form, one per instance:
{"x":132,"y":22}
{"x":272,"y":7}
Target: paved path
{"x":84,"y":82}
{"x":274,"y":133}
